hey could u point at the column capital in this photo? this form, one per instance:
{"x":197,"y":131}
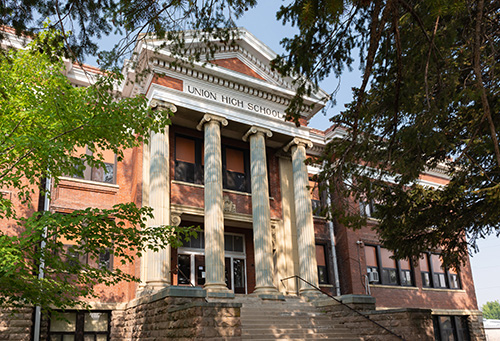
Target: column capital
{"x":298,"y":141}
{"x":211,"y":117}
{"x":257,"y":130}
{"x":175,"y":220}
{"x":158,"y":104}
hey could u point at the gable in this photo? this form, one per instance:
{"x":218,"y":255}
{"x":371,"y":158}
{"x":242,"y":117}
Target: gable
{"x":237,"y":65}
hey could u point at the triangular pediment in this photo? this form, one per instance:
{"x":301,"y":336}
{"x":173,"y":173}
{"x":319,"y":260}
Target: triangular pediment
{"x":236,"y":65}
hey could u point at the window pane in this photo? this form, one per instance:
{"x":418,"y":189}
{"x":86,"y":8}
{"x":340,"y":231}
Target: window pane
{"x":238,"y":243}
{"x":462,"y":329}
{"x":371,"y":255}
{"x":404,"y":264}
{"x":406,"y":277}
{"x":184,"y":265}
{"x":424,"y":263}
{"x":55,"y":338}
{"x":454,"y":283}
{"x":313,"y":187}
{"x":105,"y":260}
{"x":446,"y":327}
{"x":96,"y":322}
{"x":437,"y":264}
{"x":184,"y":171}
{"x":66,"y":325}
{"x":68,"y":338}
{"x":228,"y":242}
{"x":235,"y":160}
{"x":320,"y":255}
{"x":236,"y":181}
{"x":426,"y":279}
{"x":387,"y":262}
{"x":105,"y":174}
{"x":89,"y":337}
{"x":389,"y":276}
{"x":101,"y":337}
{"x":185,"y":150}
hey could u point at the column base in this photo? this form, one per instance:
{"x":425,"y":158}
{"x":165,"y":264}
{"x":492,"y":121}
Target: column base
{"x":151,"y":287}
{"x":269,"y":290}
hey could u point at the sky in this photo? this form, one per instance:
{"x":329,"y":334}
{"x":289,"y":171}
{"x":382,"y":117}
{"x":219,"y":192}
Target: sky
{"x":261,"y":22}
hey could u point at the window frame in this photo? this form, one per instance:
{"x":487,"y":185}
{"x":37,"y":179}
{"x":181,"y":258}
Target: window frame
{"x":79,"y":333}
{"x":432,"y":275}
{"x":198,"y":172}
{"x":380,"y":269}
{"x":88,"y":172}
{"x":459,"y":334}
{"x":246,"y":167}
{"x":326,"y":266}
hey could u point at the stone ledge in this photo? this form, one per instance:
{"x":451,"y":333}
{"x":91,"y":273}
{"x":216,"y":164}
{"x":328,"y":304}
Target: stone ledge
{"x":172,"y":291}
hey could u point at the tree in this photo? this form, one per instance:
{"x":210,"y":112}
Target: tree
{"x":44,"y":119}
{"x":128,"y":20}
{"x":428,"y":100}
{"x":491,"y":310}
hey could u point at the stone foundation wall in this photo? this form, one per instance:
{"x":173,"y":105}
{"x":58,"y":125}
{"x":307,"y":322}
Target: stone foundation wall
{"x":408,"y":323}
{"x":16,"y":325}
{"x":176,"y":317}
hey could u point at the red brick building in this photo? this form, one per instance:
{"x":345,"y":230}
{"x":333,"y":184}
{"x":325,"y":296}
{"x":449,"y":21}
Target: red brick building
{"x":230,"y":164}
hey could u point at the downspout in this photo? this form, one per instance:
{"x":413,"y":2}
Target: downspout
{"x":334,"y":251}
{"x":41,"y":267}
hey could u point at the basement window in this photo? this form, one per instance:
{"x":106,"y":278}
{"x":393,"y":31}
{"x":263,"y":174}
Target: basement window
{"x":80,"y":326}
{"x":451,"y":328}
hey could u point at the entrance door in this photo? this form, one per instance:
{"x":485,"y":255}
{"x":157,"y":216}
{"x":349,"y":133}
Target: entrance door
{"x":235,"y":274}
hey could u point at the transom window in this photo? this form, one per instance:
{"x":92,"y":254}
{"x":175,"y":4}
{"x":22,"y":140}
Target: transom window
{"x":80,"y":326}
{"x":382,"y":269}
{"x":435,"y":275}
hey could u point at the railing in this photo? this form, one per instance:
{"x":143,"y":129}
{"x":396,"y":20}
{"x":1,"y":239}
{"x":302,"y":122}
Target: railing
{"x":183,"y":274}
{"x":342,"y":303}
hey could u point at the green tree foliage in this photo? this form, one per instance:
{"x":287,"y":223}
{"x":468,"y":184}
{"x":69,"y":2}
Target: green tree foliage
{"x":43,"y":120}
{"x":491,"y":310}
{"x":125,"y":20}
{"x":428,"y":100}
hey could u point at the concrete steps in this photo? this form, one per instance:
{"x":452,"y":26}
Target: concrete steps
{"x":292,"y":319}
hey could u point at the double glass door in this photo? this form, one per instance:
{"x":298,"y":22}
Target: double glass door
{"x":191,"y":263}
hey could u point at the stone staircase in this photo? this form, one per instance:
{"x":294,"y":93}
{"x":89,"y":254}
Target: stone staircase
{"x":291,"y":319}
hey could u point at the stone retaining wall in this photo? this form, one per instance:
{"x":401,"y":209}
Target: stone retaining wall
{"x":176,"y":317}
{"x":16,"y":325}
{"x":408,"y":323}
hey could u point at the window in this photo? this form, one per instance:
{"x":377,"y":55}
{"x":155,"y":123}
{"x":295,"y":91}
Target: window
{"x":80,"y":326}
{"x":435,"y":275}
{"x":75,"y":257}
{"x":189,"y":159}
{"x":451,"y":328}
{"x":106,"y":174}
{"x":317,"y":205}
{"x":382,"y":269}
{"x":367,"y":208}
{"x":236,"y":169}
{"x":322,"y":267}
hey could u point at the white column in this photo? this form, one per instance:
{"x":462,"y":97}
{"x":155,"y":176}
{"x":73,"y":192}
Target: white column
{"x":304,"y":216}
{"x":214,"y":205}
{"x":156,"y":269}
{"x":261,"y":214}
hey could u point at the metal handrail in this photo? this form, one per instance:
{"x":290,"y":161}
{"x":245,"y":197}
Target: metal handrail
{"x":183,"y":274}
{"x":342,"y":303}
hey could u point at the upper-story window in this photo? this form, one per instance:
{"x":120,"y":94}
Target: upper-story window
{"x":189,"y":159}
{"x":104,"y":174}
{"x":382,"y":269}
{"x":236,"y":169}
{"x":316,"y":202}
{"x":435,"y":275}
